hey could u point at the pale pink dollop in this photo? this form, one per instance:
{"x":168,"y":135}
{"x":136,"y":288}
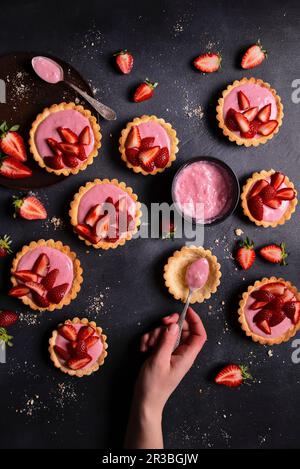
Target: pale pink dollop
{"x":94,"y":351}
{"x":153,"y":129}
{"x":197,"y":274}
{"x":47,"y":69}
{"x":203,"y":191}
{"x":58,"y":260}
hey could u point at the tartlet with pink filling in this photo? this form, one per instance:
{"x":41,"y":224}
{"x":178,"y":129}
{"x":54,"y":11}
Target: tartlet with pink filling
{"x":78,"y":347}
{"x":269,"y":198}
{"x":65,"y":138}
{"x":105,"y":213}
{"x":269,"y":311}
{"x":148,"y":145}
{"x":249,"y":112}
{"x":46,"y":275}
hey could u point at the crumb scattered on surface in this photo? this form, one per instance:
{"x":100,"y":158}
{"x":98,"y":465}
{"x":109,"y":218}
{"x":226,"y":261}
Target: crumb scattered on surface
{"x":96,"y":303}
{"x":32,"y":406}
{"x":238,"y":232}
{"x":64,"y":393}
{"x":30,"y":319}
{"x":56,"y":223}
{"x":270,"y":353}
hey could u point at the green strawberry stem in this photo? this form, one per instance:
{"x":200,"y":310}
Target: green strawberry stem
{"x":5,"y":243}
{"x":4,"y":337}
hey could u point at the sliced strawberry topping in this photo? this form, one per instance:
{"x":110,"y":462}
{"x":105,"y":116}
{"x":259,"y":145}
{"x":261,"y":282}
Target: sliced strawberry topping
{"x":54,"y":162}
{"x":230,"y":120}
{"x":49,"y":280}
{"x":86,"y":233}
{"x":267,"y":193}
{"x":70,"y":160}
{"x":62,"y":353}
{"x":134,"y":139}
{"x":90,"y":341}
{"x":277,"y":317}
{"x":267,"y":128}
{"x":276,"y":288}
{"x":147,"y":158}
{"x":162,"y":159}
{"x":132,"y":155}
{"x":68,"y":331}
{"x":80,"y":350}
{"x":41,"y":265}
{"x":54,"y":146}
{"x":85,"y":332}
{"x":287,"y":193}
{"x":273,"y":203}
{"x":147,"y":142}
{"x":258,"y":304}
{"x":263,"y":295}
{"x":82,"y":156}
{"x":37,"y":288}
{"x":276,"y":304}
{"x":18,"y":291}
{"x":68,"y":148}
{"x":264,"y":113}
{"x":26,"y":276}
{"x":292,"y":311}
{"x":85,"y":136}
{"x":78,"y":363}
{"x":277,"y":179}
{"x":102,"y":226}
{"x":242,"y":122}
{"x":67,"y":135}
{"x":40,"y":301}
{"x":288,"y":295}
{"x":256,"y":208}
{"x":243,"y":101}
{"x":253,"y":128}
{"x":56,"y":294}
{"x":257,"y":187}
{"x":251,"y":113}
{"x":93,"y":215}
{"x":262,"y":319}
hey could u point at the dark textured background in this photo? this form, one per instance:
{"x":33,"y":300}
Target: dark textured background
{"x":164,"y":37}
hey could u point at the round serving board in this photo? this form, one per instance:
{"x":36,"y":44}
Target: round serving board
{"x":26,"y":96}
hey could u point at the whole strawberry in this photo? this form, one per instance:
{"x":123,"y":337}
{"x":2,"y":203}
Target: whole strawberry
{"x":144,"y":91}
{"x":124,"y":61}
{"x":8,"y":318}
{"x":30,"y":208}
{"x":5,"y":246}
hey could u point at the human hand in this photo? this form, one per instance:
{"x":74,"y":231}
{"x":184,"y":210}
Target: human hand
{"x":164,"y":369}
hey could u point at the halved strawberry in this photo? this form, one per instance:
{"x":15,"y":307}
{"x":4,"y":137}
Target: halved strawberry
{"x":56,"y":294}
{"x":85,"y":136}
{"x":12,"y":168}
{"x":251,"y":113}
{"x":102,"y":226}
{"x":292,"y":311}
{"x":49,"y":280}
{"x":132,"y":155}
{"x":162,"y":159}
{"x":287,"y":193}
{"x":257,"y":187}
{"x":274,"y":253}
{"x":253,"y":56}
{"x":82,"y":156}
{"x":68,"y":331}
{"x":86,"y":233}
{"x":276,"y":288}
{"x":133,"y":139}
{"x":267,"y":193}
{"x":5,"y":246}
{"x":259,"y":304}
{"x":246,"y":255}
{"x":90,"y":341}
{"x":147,"y":158}
{"x":78,"y":363}
{"x":276,"y":304}
{"x":264,"y":113}
{"x":288,"y":295}
{"x":277,"y":317}
{"x":263,"y":295}
{"x":80,"y":350}
{"x":18,"y":291}
{"x":85,"y":332}
{"x":262,"y":319}
{"x":67,"y":135}
{"x":62,"y":353}
{"x":253,"y":127}
{"x":8,"y":318}
{"x":256,"y":208}
{"x":54,"y":162}
{"x":41,"y":265}
{"x":11,"y":143}
{"x":40,"y":301}
{"x":144,"y":91}
{"x":124,"y":61}
{"x":70,"y":160}
{"x":68,"y":148}
{"x":273,"y":203}
{"x":147,"y":142}
{"x":243,"y":101}
{"x":30,"y":208}
{"x":242,"y":122}
{"x":208,"y":63}
{"x":230,"y":120}
{"x":277,"y":179}
{"x":54,"y":146}
{"x":26,"y":276}
{"x":267,"y":128}
{"x":37,"y":288}
{"x":93,"y":215}
{"x":232,"y":375}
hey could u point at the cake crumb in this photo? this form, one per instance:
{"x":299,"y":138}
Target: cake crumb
{"x":58,"y":223}
{"x":270,"y":353}
{"x":238,"y":232}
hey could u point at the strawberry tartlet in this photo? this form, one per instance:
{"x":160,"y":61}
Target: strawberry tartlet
{"x":269,"y":198}
{"x":64,"y":139}
{"x":46,"y":275}
{"x":105,"y":213}
{"x":78,"y":347}
{"x":148,"y":145}
{"x":249,"y":112}
{"x":269,"y":311}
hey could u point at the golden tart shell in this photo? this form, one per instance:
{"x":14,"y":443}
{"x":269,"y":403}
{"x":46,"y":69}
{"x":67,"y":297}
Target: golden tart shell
{"x":61,"y":107}
{"x":86,"y":371}
{"x":175,"y":269}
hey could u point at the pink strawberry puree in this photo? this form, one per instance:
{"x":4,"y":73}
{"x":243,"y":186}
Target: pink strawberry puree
{"x":58,"y":260}
{"x":69,"y":118}
{"x":98,"y":195}
{"x":47,"y":69}
{"x":202,"y":186}
{"x":276,"y":331}
{"x":197,"y":274}
{"x":273,"y":214}
{"x":153,"y":129}
{"x":94,"y":351}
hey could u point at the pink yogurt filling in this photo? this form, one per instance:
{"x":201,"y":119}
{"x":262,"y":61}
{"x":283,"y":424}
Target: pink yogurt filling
{"x":197,"y":274}
{"x":98,"y":195}
{"x":94,"y":351}
{"x":47,"y":69}
{"x":276,"y":331}
{"x":258,"y":96}
{"x":68,"y":118}
{"x":58,"y":260}
{"x":153,"y":129}
{"x":273,"y":214}
{"x":203,"y":191}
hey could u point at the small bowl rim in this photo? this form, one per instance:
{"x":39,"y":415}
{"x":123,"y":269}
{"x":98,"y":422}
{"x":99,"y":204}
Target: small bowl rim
{"x":232,"y":174}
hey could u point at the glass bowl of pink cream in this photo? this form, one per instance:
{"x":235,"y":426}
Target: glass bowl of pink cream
{"x":205,"y":190}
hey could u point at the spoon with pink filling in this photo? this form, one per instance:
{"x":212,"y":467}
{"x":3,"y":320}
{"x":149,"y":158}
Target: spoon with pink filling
{"x":51,"y":72}
{"x":195,"y":277}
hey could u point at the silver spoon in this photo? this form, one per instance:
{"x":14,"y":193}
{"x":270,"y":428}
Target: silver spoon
{"x":103,"y":110}
{"x":183,"y":315}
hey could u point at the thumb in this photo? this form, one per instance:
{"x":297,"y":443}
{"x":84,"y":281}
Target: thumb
{"x":167,"y":342}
